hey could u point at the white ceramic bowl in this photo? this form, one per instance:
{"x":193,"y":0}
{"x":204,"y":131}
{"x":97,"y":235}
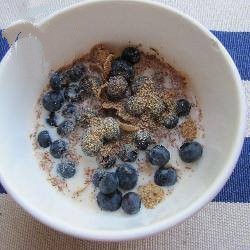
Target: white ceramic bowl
{"x":184,"y":42}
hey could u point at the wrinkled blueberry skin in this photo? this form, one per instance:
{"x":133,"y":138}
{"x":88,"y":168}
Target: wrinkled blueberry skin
{"x":190,"y":151}
{"x":128,"y":154}
{"x":76,"y":72}
{"x":127,"y":175}
{"x":52,"y":119}
{"x":183,"y":107}
{"x":44,"y":139}
{"x":120,"y":67}
{"x":131,"y":203}
{"x":131,"y":55}
{"x":58,"y":148}
{"x":69,"y":111}
{"x":72,"y":93}
{"x":165,"y":176}
{"x":56,"y":80}
{"x":53,"y":100}
{"x":109,"y":202}
{"x":158,"y":155}
{"x":66,"y":127}
{"x":108,"y":183}
{"x":66,"y":169}
{"x":97,"y":176}
{"x":171,"y":122}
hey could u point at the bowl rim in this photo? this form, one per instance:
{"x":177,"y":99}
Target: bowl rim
{"x":211,"y":192}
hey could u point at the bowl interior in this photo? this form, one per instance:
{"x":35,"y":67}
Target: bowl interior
{"x":23,"y":73}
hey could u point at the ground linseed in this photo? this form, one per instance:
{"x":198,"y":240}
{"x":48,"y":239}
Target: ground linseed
{"x":151,"y":195}
{"x":188,"y":129}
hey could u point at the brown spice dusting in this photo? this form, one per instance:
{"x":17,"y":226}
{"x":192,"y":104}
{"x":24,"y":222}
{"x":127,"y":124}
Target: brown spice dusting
{"x":61,"y":185}
{"x":99,"y":53}
{"x":107,"y":65}
{"x":188,"y":129}
{"x":78,"y":192}
{"x":158,"y":77}
{"x":151,"y":195}
{"x":149,"y":61}
{"x":46,"y":162}
{"x":74,"y":137}
{"x":72,"y":156}
{"x":145,"y":167}
{"x":88,"y":172}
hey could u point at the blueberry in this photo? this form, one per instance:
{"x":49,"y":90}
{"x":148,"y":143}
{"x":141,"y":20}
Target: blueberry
{"x":53,"y":100}
{"x":135,"y":105}
{"x":131,"y":54}
{"x":89,"y":84}
{"x":158,"y":155}
{"x":190,"y":151}
{"x":131,"y":203}
{"x":165,"y":176}
{"x":58,"y":148}
{"x":76,"y":72}
{"x":170,"y":121}
{"x":127,"y":175}
{"x":140,"y":81}
{"x":109,"y":202}
{"x":97,"y":176}
{"x":156,"y":106}
{"x":108,"y":183}
{"x":66,"y":127}
{"x":128,"y":153}
{"x":66,"y":169}
{"x":91,"y":143}
{"x":106,"y":161}
{"x":116,"y":87}
{"x":142,"y":139}
{"x":183,"y":107}
{"x":52,"y":119}
{"x":44,"y":139}
{"x":69,"y":111}
{"x":56,"y":80}
{"x":120,"y":67}
{"x":111,"y":129}
{"x":84,"y":116}
{"x":72,"y":93}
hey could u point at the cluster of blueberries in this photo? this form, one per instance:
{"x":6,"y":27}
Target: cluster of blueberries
{"x":53,"y":101}
{"x":125,"y":177}
{"x":69,"y":87}
{"x":65,"y":89}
